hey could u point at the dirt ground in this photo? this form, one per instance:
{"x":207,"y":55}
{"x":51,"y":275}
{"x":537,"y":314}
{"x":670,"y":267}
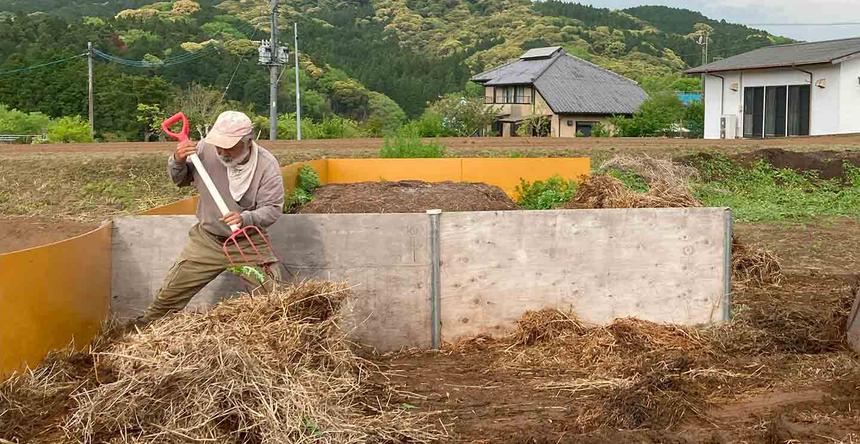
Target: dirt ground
{"x":17,"y":233}
{"x":809,"y":394}
{"x":475,"y":145}
{"x":407,"y":196}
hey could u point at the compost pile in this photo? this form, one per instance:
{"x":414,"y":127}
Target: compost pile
{"x":668,"y":187}
{"x":253,"y":369}
{"x":407,"y":196}
{"x":632,"y":374}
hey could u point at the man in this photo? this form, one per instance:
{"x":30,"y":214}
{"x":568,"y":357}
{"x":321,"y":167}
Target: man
{"x":249,"y":179}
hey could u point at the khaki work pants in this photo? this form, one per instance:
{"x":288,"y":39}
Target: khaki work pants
{"x":201,"y":261}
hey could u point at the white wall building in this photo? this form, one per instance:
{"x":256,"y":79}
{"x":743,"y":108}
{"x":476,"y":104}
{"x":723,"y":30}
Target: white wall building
{"x":786,"y":90}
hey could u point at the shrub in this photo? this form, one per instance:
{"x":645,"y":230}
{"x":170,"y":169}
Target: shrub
{"x":69,"y":129}
{"x":600,"y":129}
{"x":545,"y":194}
{"x":406,"y":144}
{"x":534,"y":126}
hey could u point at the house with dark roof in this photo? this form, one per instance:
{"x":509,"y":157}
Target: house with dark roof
{"x":785,"y":90}
{"x":573,"y":93}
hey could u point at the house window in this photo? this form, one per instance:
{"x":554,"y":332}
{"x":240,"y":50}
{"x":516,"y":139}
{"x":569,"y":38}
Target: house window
{"x":583,"y":129}
{"x":513,"y":95}
{"x":776,"y":111}
{"x":489,"y":95}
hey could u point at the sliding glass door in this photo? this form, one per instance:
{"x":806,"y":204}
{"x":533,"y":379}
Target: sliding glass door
{"x":776,"y":111}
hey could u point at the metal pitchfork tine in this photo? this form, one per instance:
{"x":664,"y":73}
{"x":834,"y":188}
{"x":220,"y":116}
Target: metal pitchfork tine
{"x":237,"y":232}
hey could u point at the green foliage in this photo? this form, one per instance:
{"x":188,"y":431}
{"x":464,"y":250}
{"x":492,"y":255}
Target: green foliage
{"x":69,"y":129}
{"x":600,"y":129}
{"x":534,"y":126}
{"x":694,"y":119}
{"x":307,"y":181}
{"x":249,"y":272}
{"x":545,"y":194}
{"x":331,"y":127}
{"x":385,"y":115}
{"x":13,"y":121}
{"x":464,"y":116}
{"x":655,"y":117}
{"x":630,"y":179}
{"x":428,"y":125}
{"x":764,"y":193}
{"x":409,"y":145}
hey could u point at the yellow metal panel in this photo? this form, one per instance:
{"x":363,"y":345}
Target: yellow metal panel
{"x":52,"y":296}
{"x":373,"y":170}
{"x":184,"y":206}
{"x":506,"y":173}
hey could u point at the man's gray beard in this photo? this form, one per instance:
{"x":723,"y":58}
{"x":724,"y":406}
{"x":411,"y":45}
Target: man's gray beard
{"x":231,"y":164}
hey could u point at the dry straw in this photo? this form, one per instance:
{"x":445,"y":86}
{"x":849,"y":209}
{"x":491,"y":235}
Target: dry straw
{"x":272,"y":369}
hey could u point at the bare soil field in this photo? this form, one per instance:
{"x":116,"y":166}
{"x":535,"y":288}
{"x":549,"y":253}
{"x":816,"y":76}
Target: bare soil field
{"x":477,"y":145}
{"x":17,"y":233}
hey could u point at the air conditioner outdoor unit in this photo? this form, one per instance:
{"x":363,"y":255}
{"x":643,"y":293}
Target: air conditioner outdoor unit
{"x":728,"y":126}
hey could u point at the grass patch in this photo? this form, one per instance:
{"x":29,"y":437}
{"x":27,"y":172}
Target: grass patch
{"x":545,"y":194}
{"x":407,"y":145}
{"x":764,"y":193}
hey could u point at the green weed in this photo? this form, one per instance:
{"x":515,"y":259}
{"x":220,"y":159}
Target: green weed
{"x":764,"y":193}
{"x":407,"y":144}
{"x":545,"y":194}
{"x":307,"y":181}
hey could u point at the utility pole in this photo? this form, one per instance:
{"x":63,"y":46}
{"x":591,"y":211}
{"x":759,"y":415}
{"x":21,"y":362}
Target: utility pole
{"x":298,"y":92}
{"x":90,"y":86}
{"x":273,"y":76}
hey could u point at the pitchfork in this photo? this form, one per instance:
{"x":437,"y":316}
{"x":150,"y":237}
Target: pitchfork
{"x":237,"y":233}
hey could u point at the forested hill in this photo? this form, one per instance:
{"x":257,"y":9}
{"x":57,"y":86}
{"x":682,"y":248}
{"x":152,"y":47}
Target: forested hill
{"x":361,"y":58}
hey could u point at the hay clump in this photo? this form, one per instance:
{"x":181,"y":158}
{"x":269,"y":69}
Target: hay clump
{"x":253,"y":369}
{"x":546,"y":324}
{"x":756,"y":265}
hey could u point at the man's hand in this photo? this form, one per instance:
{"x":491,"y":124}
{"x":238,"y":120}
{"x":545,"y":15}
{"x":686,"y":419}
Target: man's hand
{"x":183,"y":150}
{"x":232,"y":218}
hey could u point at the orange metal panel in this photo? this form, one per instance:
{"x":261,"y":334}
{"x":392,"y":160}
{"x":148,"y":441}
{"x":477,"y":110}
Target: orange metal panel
{"x":184,"y":206}
{"x":506,"y":173}
{"x":52,"y":296}
{"x":374,"y":170}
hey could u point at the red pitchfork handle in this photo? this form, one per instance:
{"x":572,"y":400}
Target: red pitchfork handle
{"x":182,"y":136}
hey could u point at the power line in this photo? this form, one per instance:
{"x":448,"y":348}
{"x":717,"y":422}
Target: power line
{"x":41,"y":65}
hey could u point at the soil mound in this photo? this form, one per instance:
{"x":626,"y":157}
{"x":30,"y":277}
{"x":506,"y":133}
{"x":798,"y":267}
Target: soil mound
{"x":407,"y":196}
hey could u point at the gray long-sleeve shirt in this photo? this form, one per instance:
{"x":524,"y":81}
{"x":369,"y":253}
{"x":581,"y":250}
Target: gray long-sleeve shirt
{"x":261,"y":205}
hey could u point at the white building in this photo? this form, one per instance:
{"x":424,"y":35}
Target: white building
{"x":786,"y":90}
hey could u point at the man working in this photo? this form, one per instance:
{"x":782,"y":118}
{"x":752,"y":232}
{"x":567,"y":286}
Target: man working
{"x":249,"y":179}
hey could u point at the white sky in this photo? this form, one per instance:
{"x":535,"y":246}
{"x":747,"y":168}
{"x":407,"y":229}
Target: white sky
{"x":767,"y":11}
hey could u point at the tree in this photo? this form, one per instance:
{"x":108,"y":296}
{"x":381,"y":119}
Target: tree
{"x":151,"y":116}
{"x":465,"y":116}
{"x":654,"y":118}
{"x":694,"y":118}
{"x":13,"y":121}
{"x":384,"y":114}
{"x":201,"y":105}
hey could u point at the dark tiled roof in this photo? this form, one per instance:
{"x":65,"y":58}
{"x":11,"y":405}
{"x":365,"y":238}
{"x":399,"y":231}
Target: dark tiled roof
{"x":785,"y":55}
{"x":570,"y":85}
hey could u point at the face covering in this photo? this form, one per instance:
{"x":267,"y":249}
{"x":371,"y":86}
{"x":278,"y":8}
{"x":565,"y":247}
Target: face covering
{"x":240,"y":175}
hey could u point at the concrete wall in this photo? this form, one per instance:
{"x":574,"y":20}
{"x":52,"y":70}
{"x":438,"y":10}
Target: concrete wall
{"x":665,"y":265}
{"x":824,"y":102}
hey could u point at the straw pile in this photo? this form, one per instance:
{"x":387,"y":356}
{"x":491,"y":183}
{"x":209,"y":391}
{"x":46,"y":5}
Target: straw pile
{"x":262,"y":370}
{"x":634,"y":374}
{"x":668,"y":187}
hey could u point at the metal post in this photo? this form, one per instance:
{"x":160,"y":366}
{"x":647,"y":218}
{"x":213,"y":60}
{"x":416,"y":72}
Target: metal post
{"x":273,"y":76}
{"x":435,"y":280}
{"x":727,"y":267}
{"x":90,"y":86}
{"x":298,"y":92}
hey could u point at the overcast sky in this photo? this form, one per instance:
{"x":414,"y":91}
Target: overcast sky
{"x":768,"y":11}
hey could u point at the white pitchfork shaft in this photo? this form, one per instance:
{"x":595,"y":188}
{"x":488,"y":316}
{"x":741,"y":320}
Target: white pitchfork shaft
{"x":216,"y":196}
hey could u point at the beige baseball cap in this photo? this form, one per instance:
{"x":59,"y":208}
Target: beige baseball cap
{"x":229,"y":128}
